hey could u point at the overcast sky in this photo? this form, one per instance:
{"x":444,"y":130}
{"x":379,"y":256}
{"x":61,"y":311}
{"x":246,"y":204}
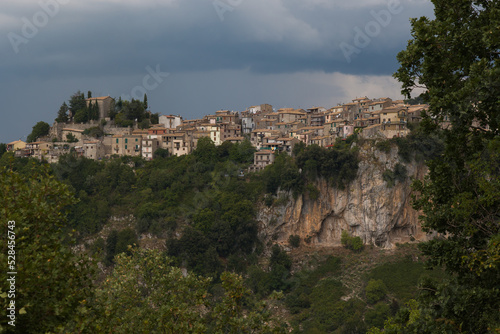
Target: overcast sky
{"x":193,"y":57}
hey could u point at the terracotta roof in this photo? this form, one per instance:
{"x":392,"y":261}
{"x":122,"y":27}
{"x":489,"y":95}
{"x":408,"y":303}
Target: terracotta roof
{"x":15,"y":142}
{"x":98,"y":98}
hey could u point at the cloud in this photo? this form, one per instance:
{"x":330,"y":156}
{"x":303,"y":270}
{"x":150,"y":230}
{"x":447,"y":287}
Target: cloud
{"x":286,"y":51}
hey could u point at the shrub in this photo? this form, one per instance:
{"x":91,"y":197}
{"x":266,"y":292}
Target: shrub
{"x":313,"y":192}
{"x":294,"y":241}
{"x":384,"y":146}
{"x":399,"y":174}
{"x":268,"y":200}
{"x":352,"y":243}
{"x":375,"y":291}
{"x":388,"y":177}
{"x":376,"y":316}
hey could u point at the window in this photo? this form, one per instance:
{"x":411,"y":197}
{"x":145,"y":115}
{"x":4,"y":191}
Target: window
{"x":117,"y":140}
{"x":125,"y":146}
{"x":126,"y":140}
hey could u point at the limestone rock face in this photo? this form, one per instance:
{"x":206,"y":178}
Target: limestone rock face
{"x":367,"y":208}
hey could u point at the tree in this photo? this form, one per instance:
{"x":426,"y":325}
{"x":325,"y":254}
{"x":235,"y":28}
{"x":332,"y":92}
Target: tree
{"x":71,"y":138}
{"x":81,"y":116}
{"x":375,"y":291}
{"x":456,"y":59}
{"x":62,"y":114}
{"x":154,"y":118}
{"x":145,"y":102}
{"x":52,"y":283}
{"x":3,"y":149}
{"x":145,"y":294}
{"x":134,"y":110}
{"x":40,"y":129}
{"x":77,"y":102}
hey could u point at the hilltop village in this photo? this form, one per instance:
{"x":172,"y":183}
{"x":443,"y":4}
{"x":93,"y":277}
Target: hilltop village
{"x":268,"y":130}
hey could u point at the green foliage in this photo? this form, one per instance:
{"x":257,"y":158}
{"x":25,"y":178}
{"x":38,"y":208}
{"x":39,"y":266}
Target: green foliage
{"x":376,"y":316}
{"x":338,"y":164}
{"x":312,"y":191}
{"x":384,"y":146}
{"x":70,"y":138}
{"x":40,"y":129}
{"x":134,"y":110}
{"x":77,"y":102}
{"x":119,"y":242}
{"x":229,"y":314}
{"x":122,"y":121}
{"x":3,"y":149}
{"x":95,"y":131}
{"x":417,"y":100}
{"x":375,"y":291}
{"x":145,"y":102}
{"x":459,"y":66}
{"x":402,"y":276}
{"x":302,"y":283}
{"x":155,"y":118}
{"x":352,"y":243}
{"x":294,"y":241}
{"x":62,"y":114}
{"x":283,"y":174}
{"x":144,"y":124}
{"x":52,"y":283}
{"x":145,"y":294}
{"x":419,"y":146}
{"x":81,"y":116}
{"x":399,"y":174}
{"x":161,"y":153}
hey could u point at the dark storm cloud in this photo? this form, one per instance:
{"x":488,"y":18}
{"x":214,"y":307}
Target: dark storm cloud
{"x":110,"y":41}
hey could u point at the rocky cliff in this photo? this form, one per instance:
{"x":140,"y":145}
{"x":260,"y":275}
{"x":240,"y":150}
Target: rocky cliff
{"x":367,"y":208}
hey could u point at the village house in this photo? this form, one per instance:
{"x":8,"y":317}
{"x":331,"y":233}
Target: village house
{"x":105,"y":104}
{"x":263,"y":158}
{"x":16,"y":145}
{"x":77,"y":133}
{"x":380,"y":104}
{"x":323,"y":141}
{"x":226,"y":116}
{"x":94,"y":150}
{"x":170,"y":121}
{"x":415,"y":112}
{"x":262,"y":109}
{"x":247,"y":122}
{"x":258,"y":135}
{"x":127,"y":145}
{"x":317,"y":119}
{"x":289,"y":115}
{"x":265,"y":122}
{"x":149,"y":147}
{"x":228,"y":130}
{"x":287,"y":144}
{"x":394,"y":118}
{"x":39,"y":149}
